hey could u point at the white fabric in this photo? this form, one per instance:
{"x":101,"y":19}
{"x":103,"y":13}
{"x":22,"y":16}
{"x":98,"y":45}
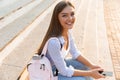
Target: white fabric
{"x":57,"y":55}
{"x":40,"y":68}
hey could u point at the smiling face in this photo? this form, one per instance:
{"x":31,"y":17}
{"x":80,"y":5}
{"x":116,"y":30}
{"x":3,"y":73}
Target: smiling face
{"x":67,"y":18}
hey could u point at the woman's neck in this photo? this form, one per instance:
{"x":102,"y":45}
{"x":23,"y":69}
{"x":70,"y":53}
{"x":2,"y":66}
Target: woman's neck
{"x":65,"y":35}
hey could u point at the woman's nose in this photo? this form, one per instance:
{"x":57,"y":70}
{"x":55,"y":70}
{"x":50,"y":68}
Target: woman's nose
{"x":70,"y":17}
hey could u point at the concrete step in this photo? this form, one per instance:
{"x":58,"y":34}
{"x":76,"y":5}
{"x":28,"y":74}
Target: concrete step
{"x":92,"y":35}
{"x":17,"y":54}
{"x":103,"y":45}
{"x":7,"y":7}
{"x":81,"y":15}
{"x":18,"y":21}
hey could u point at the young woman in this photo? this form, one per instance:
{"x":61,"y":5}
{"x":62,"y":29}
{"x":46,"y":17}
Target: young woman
{"x":76,"y":68}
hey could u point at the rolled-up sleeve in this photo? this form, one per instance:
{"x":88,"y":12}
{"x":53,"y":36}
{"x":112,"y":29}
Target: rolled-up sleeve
{"x":54,"y":50}
{"x":73,"y":49}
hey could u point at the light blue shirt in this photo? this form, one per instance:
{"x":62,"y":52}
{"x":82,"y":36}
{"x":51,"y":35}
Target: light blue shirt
{"x":56,"y":54}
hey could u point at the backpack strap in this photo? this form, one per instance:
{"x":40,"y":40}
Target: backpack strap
{"x":44,"y":51}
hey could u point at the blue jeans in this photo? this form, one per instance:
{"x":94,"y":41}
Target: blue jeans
{"x":76,"y":65}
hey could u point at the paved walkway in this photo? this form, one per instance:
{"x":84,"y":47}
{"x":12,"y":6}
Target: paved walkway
{"x":112,"y":19}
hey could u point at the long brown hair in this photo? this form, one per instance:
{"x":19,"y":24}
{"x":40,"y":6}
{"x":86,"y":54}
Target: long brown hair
{"x":55,"y":29}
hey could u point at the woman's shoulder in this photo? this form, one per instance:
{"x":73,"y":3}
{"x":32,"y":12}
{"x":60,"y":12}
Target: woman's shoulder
{"x":53,"y":40}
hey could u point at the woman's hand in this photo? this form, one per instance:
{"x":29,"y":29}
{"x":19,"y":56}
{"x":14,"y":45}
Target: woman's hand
{"x":94,"y":69}
{"x":95,"y":73}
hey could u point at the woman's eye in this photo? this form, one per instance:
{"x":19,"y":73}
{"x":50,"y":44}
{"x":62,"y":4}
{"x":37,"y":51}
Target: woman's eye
{"x":64,"y":15}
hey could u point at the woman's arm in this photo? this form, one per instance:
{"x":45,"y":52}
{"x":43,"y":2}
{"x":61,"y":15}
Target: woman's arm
{"x":93,"y":72}
{"x":76,"y":54}
{"x":54,"y":50}
{"x":83,"y":60}
{"x":90,"y":73}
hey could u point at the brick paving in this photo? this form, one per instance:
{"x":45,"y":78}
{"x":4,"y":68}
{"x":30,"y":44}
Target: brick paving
{"x":112,"y":19}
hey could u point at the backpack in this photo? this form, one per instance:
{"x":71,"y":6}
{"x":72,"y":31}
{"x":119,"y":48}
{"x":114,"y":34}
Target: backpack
{"x":39,"y":68}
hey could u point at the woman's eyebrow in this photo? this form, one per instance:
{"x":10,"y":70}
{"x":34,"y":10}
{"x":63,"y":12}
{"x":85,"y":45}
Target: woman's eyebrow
{"x":64,"y":13}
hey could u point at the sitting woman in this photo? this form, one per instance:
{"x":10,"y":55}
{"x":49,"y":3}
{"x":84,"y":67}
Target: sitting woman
{"x":77,"y":67}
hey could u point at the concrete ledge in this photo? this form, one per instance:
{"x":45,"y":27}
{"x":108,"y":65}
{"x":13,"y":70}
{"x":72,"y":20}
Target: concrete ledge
{"x":20,"y":21}
{"x":95,"y":43}
{"x":18,"y":53}
{"x":9,"y":72}
{"x":8,"y":7}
